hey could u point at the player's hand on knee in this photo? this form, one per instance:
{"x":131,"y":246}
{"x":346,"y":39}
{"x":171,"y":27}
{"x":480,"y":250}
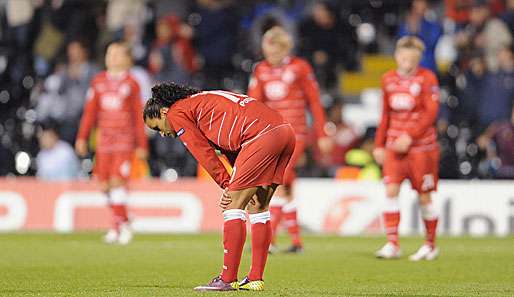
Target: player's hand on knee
{"x":379,"y":155}
{"x":225,"y":199}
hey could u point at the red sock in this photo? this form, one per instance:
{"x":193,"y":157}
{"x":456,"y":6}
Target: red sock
{"x":119,"y":215}
{"x":276,"y":217}
{"x":430,"y":227}
{"x":261,"y":240}
{"x":391,"y":222}
{"x":291,"y":221}
{"x":234,"y":236}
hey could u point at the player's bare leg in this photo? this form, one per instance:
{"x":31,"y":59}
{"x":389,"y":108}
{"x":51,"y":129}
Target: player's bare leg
{"x":429,"y":250}
{"x":112,"y":234}
{"x":234,"y":236}
{"x":118,"y":197}
{"x":391,"y":219}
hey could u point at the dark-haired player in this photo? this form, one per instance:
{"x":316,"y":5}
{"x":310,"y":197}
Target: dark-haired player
{"x":262,"y":142}
{"x":114,"y":108}
{"x":406,"y":144}
{"x":287,"y":84}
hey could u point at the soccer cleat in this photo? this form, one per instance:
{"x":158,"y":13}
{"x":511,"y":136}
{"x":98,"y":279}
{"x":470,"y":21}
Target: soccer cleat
{"x":249,"y":285}
{"x":125,"y":236}
{"x":217,"y":284}
{"x":425,"y":252}
{"x":111,"y":236}
{"x":389,"y":251}
{"x":294,"y":249}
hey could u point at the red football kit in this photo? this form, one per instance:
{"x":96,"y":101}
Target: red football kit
{"x":114,"y":107}
{"x":289,"y":88}
{"x":239,"y":126}
{"x":410,"y":105}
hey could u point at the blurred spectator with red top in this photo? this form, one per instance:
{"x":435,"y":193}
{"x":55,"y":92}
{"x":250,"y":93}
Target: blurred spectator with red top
{"x":172,"y":56}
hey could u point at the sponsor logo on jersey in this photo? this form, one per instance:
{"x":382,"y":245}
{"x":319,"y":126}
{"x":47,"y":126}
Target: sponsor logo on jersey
{"x":402,"y":102}
{"x":276,"y":90}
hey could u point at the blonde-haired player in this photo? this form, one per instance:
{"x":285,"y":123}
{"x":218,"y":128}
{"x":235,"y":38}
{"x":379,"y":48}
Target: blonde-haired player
{"x":406,"y":144}
{"x":287,"y":84}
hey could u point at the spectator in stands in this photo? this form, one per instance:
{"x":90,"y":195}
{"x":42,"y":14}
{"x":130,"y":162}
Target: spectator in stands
{"x":56,"y":161}
{"x":483,"y":33}
{"x":327,"y":42}
{"x":416,"y":23}
{"x":172,"y":57}
{"x":215,"y":34}
{"x":498,"y":142}
{"x":497,"y":92}
{"x":508,"y":15}
{"x":65,"y":90}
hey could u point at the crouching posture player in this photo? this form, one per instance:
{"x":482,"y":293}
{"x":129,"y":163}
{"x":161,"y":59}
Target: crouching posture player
{"x":114,"y":107}
{"x":406,"y":144}
{"x":263,"y":143}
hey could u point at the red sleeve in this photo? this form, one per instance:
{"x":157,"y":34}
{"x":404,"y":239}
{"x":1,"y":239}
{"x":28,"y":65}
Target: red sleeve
{"x":255,"y":88}
{"x":311,"y":89}
{"x":137,"y":114}
{"x":380,"y":136}
{"x":89,"y":115}
{"x":199,"y":146}
{"x":430,"y":101}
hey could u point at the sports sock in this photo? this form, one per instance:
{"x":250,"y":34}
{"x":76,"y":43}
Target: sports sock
{"x":118,"y":205}
{"x":234,"y":236}
{"x":391,"y":216}
{"x":430,"y":219}
{"x":275,"y":209}
{"x":261,"y":239}
{"x":291,"y":222}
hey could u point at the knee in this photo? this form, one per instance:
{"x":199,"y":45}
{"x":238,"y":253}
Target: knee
{"x":425,"y":198}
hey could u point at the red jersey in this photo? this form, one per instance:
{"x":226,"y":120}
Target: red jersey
{"x":410,"y":105}
{"x":114,"y":106}
{"x":288,"y":89}
{"x":220,"y":120}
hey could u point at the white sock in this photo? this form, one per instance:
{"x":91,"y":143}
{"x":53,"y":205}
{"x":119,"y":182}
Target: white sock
{"x":118,"y":195}
{"x":234,"y":214}
{"x":428,"y":211}
{"x":391,"y":204}
{"x":289,"y":207}
{"x":261,"y":217}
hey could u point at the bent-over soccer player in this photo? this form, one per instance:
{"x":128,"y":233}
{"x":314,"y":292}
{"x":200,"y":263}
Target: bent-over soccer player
{"x":263,"y":143}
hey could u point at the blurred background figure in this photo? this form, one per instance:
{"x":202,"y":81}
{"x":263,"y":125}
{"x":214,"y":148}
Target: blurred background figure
{"x":172,"y":56}
{"x":417,"y":23}
{"x":64,"y":91}
{"x":329,"y":43}
{"x":56,"y":160}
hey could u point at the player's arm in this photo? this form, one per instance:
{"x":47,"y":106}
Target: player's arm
{"x":137,"y":110}
{"x":255,"y":87}
{"x":311,"y":90}
{"x":430,"y":101}
{"x":381,"y":134}
{"x":200,"y":148}
{"x":88,"y":121}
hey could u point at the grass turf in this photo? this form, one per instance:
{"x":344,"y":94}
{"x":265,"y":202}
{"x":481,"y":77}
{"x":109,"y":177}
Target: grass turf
{"x":171,"y":265}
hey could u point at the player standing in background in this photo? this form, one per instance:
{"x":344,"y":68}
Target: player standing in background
{"x":259,"y":145}
{"x":406,"y":144}
{"x":287,"y":84}
{"x":114,"y":108}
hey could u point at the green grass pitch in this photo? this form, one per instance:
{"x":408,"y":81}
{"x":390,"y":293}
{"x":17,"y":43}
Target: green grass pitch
{"x":171,"y":265}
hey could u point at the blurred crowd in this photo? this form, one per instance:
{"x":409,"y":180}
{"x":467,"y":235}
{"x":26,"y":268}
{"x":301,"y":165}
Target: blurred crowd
{"x":51,"y":49}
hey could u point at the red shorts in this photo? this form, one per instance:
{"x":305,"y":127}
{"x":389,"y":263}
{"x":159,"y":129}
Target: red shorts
{"x":263,"y":161}
{"x":113,"y":165}
{"x":421,"y":168}
{"x":290,"y":174}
